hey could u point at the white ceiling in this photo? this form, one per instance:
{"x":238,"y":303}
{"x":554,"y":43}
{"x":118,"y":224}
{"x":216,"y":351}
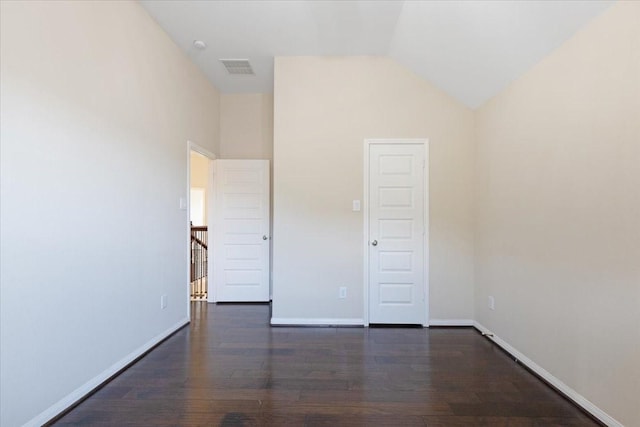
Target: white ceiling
{"x":470,"y":49}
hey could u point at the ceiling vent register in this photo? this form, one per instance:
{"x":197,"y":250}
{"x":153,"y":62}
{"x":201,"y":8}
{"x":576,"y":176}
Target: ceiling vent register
{"x":238,"y":67}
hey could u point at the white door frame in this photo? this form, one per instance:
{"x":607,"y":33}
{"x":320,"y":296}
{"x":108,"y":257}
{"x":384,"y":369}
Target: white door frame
{"x":365,"y":210}
{"x":192,"y":146}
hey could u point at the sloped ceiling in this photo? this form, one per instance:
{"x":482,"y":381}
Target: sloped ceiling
{"x":469,"y":49}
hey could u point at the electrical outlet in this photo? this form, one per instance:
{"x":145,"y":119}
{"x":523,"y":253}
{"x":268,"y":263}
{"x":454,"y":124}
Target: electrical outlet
{"x":342,"y":292}
{"x":163,"y":301}
{"x":492,"y":303}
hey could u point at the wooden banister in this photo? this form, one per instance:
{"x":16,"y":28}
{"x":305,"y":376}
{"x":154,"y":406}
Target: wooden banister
{"x":198,"y":241}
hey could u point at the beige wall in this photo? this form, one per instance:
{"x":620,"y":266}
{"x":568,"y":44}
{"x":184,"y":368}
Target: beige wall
{"x":558,"y":207}
{"x":200,"y":177}
{"x":199,"y":170}
{"x":97,"y":106}
{"x":324,"y":108}
{"x":246,"y":126}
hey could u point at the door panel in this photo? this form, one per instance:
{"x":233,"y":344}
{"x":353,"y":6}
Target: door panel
{"x":396,"y":233}
{"x":241,"y":230}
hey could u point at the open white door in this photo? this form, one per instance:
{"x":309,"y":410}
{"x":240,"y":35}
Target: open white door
{"x":241,"y":231}
{"x":397,"y":228}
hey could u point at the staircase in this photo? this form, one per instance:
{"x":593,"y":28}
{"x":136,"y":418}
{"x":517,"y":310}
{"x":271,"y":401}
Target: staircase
{"x":199,"y":261}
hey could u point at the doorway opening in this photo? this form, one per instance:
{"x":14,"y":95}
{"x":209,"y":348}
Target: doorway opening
{"x":200,"y":203}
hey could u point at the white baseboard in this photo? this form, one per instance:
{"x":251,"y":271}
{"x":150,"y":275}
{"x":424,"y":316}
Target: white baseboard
{"x":450,"y":322}
{"x":276,"y":321}
{"x":87,"y":387}
{"x":357,"y":322}
{"x":579,"y":399}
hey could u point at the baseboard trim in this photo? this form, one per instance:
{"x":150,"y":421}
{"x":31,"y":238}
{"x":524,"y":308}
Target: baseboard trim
{"x":279,"y":321}
{"x":560,"y":386}
{"x":450,"y":322}
{"x":54,"y":412}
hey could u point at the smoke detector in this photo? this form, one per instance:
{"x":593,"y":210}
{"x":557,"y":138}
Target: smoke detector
{"x":199,"y":44}
{"x":238,"y":66}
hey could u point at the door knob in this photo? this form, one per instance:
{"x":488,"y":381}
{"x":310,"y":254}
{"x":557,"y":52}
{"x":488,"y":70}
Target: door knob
{"x":264,"y":237}
{"x":374,"y":243}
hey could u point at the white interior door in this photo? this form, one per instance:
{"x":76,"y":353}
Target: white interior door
{"x":241,"y":230}
{"x":397,"y":233}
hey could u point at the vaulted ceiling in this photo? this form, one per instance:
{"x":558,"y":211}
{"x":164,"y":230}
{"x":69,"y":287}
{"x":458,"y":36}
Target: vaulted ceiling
{"x":469,"y":49}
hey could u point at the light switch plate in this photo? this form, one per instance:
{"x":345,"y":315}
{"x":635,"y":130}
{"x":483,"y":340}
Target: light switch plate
{"x":182,"y":203}
{"x":356,"y":205}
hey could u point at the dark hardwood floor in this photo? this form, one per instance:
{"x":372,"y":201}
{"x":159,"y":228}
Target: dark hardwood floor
{"x":229,"y":368}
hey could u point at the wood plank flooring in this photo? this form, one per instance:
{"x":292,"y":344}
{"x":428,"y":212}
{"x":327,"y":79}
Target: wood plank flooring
{"x":229,"y":368}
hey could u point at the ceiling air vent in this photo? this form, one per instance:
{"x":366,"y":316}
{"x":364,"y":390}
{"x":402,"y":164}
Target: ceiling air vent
{"x":238,"y":66}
